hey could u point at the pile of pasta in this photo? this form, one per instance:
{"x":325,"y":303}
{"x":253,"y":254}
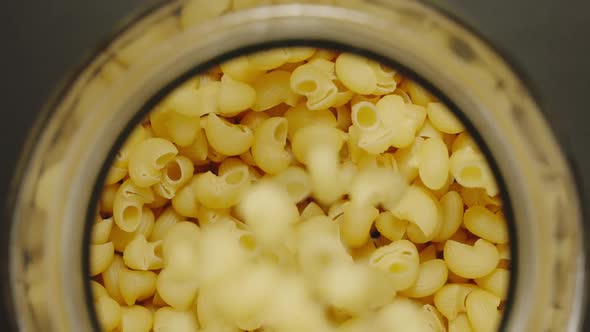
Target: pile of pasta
{"x":298,"y":189}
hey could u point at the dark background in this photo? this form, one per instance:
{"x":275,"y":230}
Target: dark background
{"x":547,"y":40}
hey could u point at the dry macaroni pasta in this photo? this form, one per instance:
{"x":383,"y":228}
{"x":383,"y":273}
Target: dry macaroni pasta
{"x":297,"y":189}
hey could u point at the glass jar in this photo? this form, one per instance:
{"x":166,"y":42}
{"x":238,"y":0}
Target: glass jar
{"x":52,"y":203}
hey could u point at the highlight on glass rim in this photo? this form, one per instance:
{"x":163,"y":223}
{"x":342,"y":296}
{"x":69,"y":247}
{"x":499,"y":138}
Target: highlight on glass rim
{"x":299,"y":189}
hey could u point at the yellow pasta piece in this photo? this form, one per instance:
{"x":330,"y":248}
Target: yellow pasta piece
{"x":227,"y":138}
{"x":357,"y":220}
{"x":101,"y":257}
{"x":422,"y":211}
{"x":272,"y":89}
{"x":452,"y":215}
{"x":356,"y":74}
{"x":482,"y":310}
{"x":176,"y":127}
{"x":148,"y":158}
{"x":268,"y":149}
{"x":443,"y":119}
{"x":418,"y":94}
{"x":185,"y":201}
{"x":433,"y":166}
{"x":101,"y":231}
{"x":241,"y":70}
{"x":121,"y":238}
{"x":300,"y":116}
{"x":485,"y":224}
{"x":471,"y":261}
{"x":110,"y":279}
{"x":136,"y":285}
{"x":432,"y":275}
{"x":221,"y":191}
{"x":471,"y":170}
{"x":400,"y":260}
{"x":495,"y":282}
{"x":142,"y":255}
{"x":234,"y":96}
{"x":391,"y":227}
{"x":174,"y":175}
{"x":450,"y":299}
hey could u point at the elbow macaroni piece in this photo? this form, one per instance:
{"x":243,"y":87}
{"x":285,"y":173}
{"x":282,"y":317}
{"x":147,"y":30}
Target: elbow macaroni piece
{"x":443,"y":119}
{"x":268,"y":149}
{"x":234,"y":96}
{"x":450,"y":299}
{"x":240,"y":69}
{"x":357,"y":220}
{"x":400,"y":260}
{"x":185,"y":201}
{"x":482,"y":310}
{"x":390,"y":226}
{"x":128,"y":205}
{"x":136,"y":285}
{"x":418,"y":94}
{"x":198,"y":151}
{"x":495,"y":282}
{"x":422,"y":211}
{"x":221,"y":191}
{"x":315,"y":84}
{"x":471,"y":261}
{"x":108,"y":312}
{"x":176,"y":127}
{"x":318,"y":147}
{"x":471,"y":170}
{"x":433,"y":166}
{"x":272,"y":89}
{"x":432,"y":275}
{"x":486,"y":224}
{"x":174,"y":175}
{"x":165,"y":220}
{"x":121,"y":238}
{"x":101,"y":257}
{"x":300,"y":116}
{"x":101,"y":231}
{"x":110,"y":278}
{"x":227,"y":138}
{"x":356,"y":73}
{"x":451,"y":205}
{"x":148,"y":158}
{"x":142,"y":255}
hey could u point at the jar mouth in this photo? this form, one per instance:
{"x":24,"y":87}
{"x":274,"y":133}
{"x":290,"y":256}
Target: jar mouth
{"x":511,"y":189}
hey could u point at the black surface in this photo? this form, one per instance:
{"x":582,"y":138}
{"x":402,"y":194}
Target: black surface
{"x":547,"y":39}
